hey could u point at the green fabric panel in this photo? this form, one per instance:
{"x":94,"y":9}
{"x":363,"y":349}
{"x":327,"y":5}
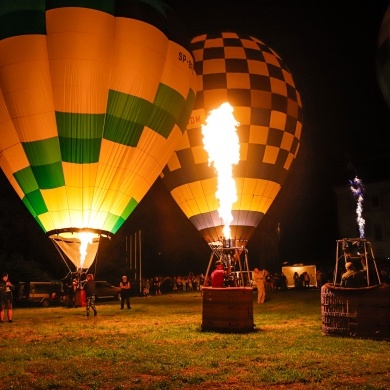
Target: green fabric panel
{"x":80,"y":151}
{"x":126,"y":117}
{"x":111,"y":222}
{"x":114,"y":222}
{"x":40,"y":224}
{"x":117,"y":225}
{"x":80,"y":136}
{"x":35,"y":203}
{"x":46,"y":151}
{"x":49,"y":176}
{"x":129,"y":208}
{"x":168,"y":107}
{"x":26,"y":180}
{"x":107,"y":6}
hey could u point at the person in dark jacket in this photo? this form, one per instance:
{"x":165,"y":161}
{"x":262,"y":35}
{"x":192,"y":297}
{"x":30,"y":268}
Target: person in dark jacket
{"x":125,"y":292}
{"x":6,"y":297}
{"x":89,"y":288}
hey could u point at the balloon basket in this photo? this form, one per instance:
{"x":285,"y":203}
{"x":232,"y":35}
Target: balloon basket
{"x":356,"y":312}
{"x":227,"y":310}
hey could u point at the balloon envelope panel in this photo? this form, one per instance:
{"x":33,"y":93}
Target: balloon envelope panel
{"x":249,"y":75}
{"x":94,"y":97}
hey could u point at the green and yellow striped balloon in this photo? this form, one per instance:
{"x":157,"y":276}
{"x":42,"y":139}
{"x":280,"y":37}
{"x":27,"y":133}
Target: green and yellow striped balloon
{"x":94,"y":96}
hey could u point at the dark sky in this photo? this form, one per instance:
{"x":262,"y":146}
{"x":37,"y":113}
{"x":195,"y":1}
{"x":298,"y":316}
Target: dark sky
{"x":330,"y":48}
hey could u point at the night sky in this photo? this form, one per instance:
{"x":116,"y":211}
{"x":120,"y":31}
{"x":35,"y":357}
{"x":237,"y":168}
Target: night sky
{"x":330,"y":48}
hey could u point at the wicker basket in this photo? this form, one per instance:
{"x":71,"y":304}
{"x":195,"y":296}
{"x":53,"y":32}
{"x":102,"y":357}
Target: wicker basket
{"x":228,"y":309}
{"x":357,"y":312}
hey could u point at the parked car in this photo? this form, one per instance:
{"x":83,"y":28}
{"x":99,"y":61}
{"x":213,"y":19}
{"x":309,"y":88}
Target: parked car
{"x":105,"y":290}
{"x":43,"y":293}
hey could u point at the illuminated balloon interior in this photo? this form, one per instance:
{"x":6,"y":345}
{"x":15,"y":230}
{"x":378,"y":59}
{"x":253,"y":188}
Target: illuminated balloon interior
{"x":94,"y":96}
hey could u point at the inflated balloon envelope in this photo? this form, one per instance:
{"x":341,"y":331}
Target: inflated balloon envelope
{"x":246,"y":73}
{"x":94,"y":96}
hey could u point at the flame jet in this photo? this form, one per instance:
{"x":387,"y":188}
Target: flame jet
{"x":94,"y":96}
{"x":253,"y":79}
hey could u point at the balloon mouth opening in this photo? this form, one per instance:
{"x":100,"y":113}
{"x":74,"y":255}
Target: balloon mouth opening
{"x":229,"y":243}
{"x":80,"y":246}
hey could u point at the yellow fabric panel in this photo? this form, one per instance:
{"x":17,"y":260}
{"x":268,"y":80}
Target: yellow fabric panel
{"x":16,"y":158}
{"x":278,"y":86}
{"x":139,"y":58}
{"x":270,"y":59}
{"x":258,"y":135}
{"x":183,"y":142}
{"x":14,"y":183}
{"x":37,"y":127}
{"x":249,"y":44}
{"x":214,"y":66}
{"x":57,"y":200}
{"x":242,"y":115}
{"x":209,"y":186}
{"x":177,"y":195}
{"x":292,"y":108}
{"x":217,"y":96}
{"x":125,"y":169}
{"x":199,"y":154}
{"x":199,"y":83}
{"x":48,"y":222}
{"x":249,"y":186}
{"x":234,"y":52}
{"x":216,"y":42}
{"x":289,"y":160}
{"x":197,"y":118}
{"x":27,"y":86}
{"x":173,"y":163}
{"x":261,"y":99}
{"x":288,"y":77}
{"x":80,"y":45}
{"x":157,"y":147}
{"x":257,"y":67}
{"x":80,"y":86}
{"x":244,"y":151}
{"x":245,"y":202}
{"x":79,"y":174}
{"x":237,"y":80}
{"x":278,"y":120}
{"x":287,"y":141}
{"x":178,"y":72}
{"x":8,"y":136}
{"x":84,"y":20}
{"x":298,"y":130}
{"x":270,"y":154}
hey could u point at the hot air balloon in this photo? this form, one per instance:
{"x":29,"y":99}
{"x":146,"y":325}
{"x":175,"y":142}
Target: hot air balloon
{"x":94,"y":96}
{"x":253,"y":79}
{"x":383,"y":58}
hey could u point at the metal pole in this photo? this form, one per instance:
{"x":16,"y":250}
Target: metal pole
{"x":140,"y":263}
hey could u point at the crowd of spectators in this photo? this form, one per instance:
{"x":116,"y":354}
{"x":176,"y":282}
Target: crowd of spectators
{"x":274,"y":281}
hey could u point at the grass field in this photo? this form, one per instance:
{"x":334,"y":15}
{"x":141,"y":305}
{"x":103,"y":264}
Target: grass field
{"x":159,"y":344}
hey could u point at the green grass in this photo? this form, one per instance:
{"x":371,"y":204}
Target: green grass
{"x":159,"y":344}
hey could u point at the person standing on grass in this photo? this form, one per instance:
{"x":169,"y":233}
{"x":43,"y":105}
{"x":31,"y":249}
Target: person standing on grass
{"x":259,"y":278}
{"x":6,"y":297}
{"x":125,"y":292}
{"x":89,"y":288}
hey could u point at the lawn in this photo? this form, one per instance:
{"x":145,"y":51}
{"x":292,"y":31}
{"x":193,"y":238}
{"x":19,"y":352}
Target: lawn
{"x":159,"y":344}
